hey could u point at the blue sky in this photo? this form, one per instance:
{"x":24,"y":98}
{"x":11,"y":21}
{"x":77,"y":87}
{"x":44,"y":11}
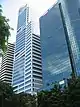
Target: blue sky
{"x":11,"y":7}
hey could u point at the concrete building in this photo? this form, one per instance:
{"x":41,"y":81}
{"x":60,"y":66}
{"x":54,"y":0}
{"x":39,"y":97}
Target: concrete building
{"x":0,"y":60}
{"x":27,"y":70}
{"x":7,"y":64}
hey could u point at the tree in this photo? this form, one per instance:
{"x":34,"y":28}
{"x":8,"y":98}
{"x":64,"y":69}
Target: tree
{"x":23,"y":100}
{"x":6,"y":93}
{"x":73,"y":92}
{"x":9,"y":99}
{"x":6,"y":89}
{"x":50,"y":98}
{"x":4,"y":30}
{"x":69,"y":96}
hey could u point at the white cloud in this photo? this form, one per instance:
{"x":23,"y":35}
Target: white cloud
{"x":11,"y":8}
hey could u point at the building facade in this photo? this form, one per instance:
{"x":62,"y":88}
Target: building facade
{"x":71,"y":20}
{"x":56,"y":66}
{"x":27,"y":70}
{"x":7,"y":64}
{"x":0,"y":60}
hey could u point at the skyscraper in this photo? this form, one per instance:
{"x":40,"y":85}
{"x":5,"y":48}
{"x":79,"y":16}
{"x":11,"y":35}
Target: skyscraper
{"x":27,"y":70}
{"x":7,"y":64}
{"x":71,"y":19}
{"x":0,"y":60}
{"x":56,"y":64}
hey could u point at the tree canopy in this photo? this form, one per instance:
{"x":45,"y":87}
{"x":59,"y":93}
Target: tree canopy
{"x":68,"y":96}
{"x":4,"y":30}
{"x":10,"y":99}
{"x":58,"y":97}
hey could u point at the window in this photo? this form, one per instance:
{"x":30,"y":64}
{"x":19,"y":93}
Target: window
{"x":18,"y":29}
{"x":37,"y":68}
{"x":37,"y":65}
{"x":28,"y":90}
{"x":28,"y":65}
{"x":27,"y":73}
{"x":28,"y":77}
{"x":28,"y":81}
{"x":36,"y":61}
{"x":35,"y":49}
{"x":37,"y":81}
{"x":29,"y":38}
{"x":36,"y":38}
{"x":28,"y":58}
{"x":21,"y":85}
{"x":37,"y":72}
{"x":28,"y":61}
{"x":29,"y":41}
{"x":21,"y":89}
{"x":28,"y":69}
{"x":28,"y":86}
{"x":28,"y":44}
{"x":36,"y":41}
{"x":37,"y":77}
{"x":14,"y":83}
{"x":36,"y":44}
{"x":28,"y":54}
{"x":28,"y":50}
{"x":36,"y":57}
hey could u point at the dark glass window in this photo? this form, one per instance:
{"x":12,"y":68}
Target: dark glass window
{"x":36,"y":57}
{"x":37,"y":77}
{"x":37,"y":72}
{"x":37,"y":68}
{"x":37,"y":65}
{"x":28,"y":77}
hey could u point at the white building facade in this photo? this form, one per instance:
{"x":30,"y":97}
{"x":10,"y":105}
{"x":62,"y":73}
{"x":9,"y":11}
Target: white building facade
{"x":27,"y":70}
{"x":7,"y":64}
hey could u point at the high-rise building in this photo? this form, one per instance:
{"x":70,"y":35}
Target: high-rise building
{"x":27,"y":70}
{"x":56,"y":64}
{"x":0,"y":60}
{"x":7,"y":64}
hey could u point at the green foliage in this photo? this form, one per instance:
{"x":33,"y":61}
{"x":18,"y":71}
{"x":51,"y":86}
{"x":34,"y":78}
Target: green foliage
{"x":69,"y":96}
{"x":6,"y":89}
{"x":6,"y":93}
{"x":9,"y":99}
{"x":4,"y":30}
{"x":23,"y":100}
{"x":58,"y":97}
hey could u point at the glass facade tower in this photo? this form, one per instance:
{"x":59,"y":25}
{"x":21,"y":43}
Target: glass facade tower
{"x":56,"y":64}
{"x":71,"y":17}
{"x":27,"y":70}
